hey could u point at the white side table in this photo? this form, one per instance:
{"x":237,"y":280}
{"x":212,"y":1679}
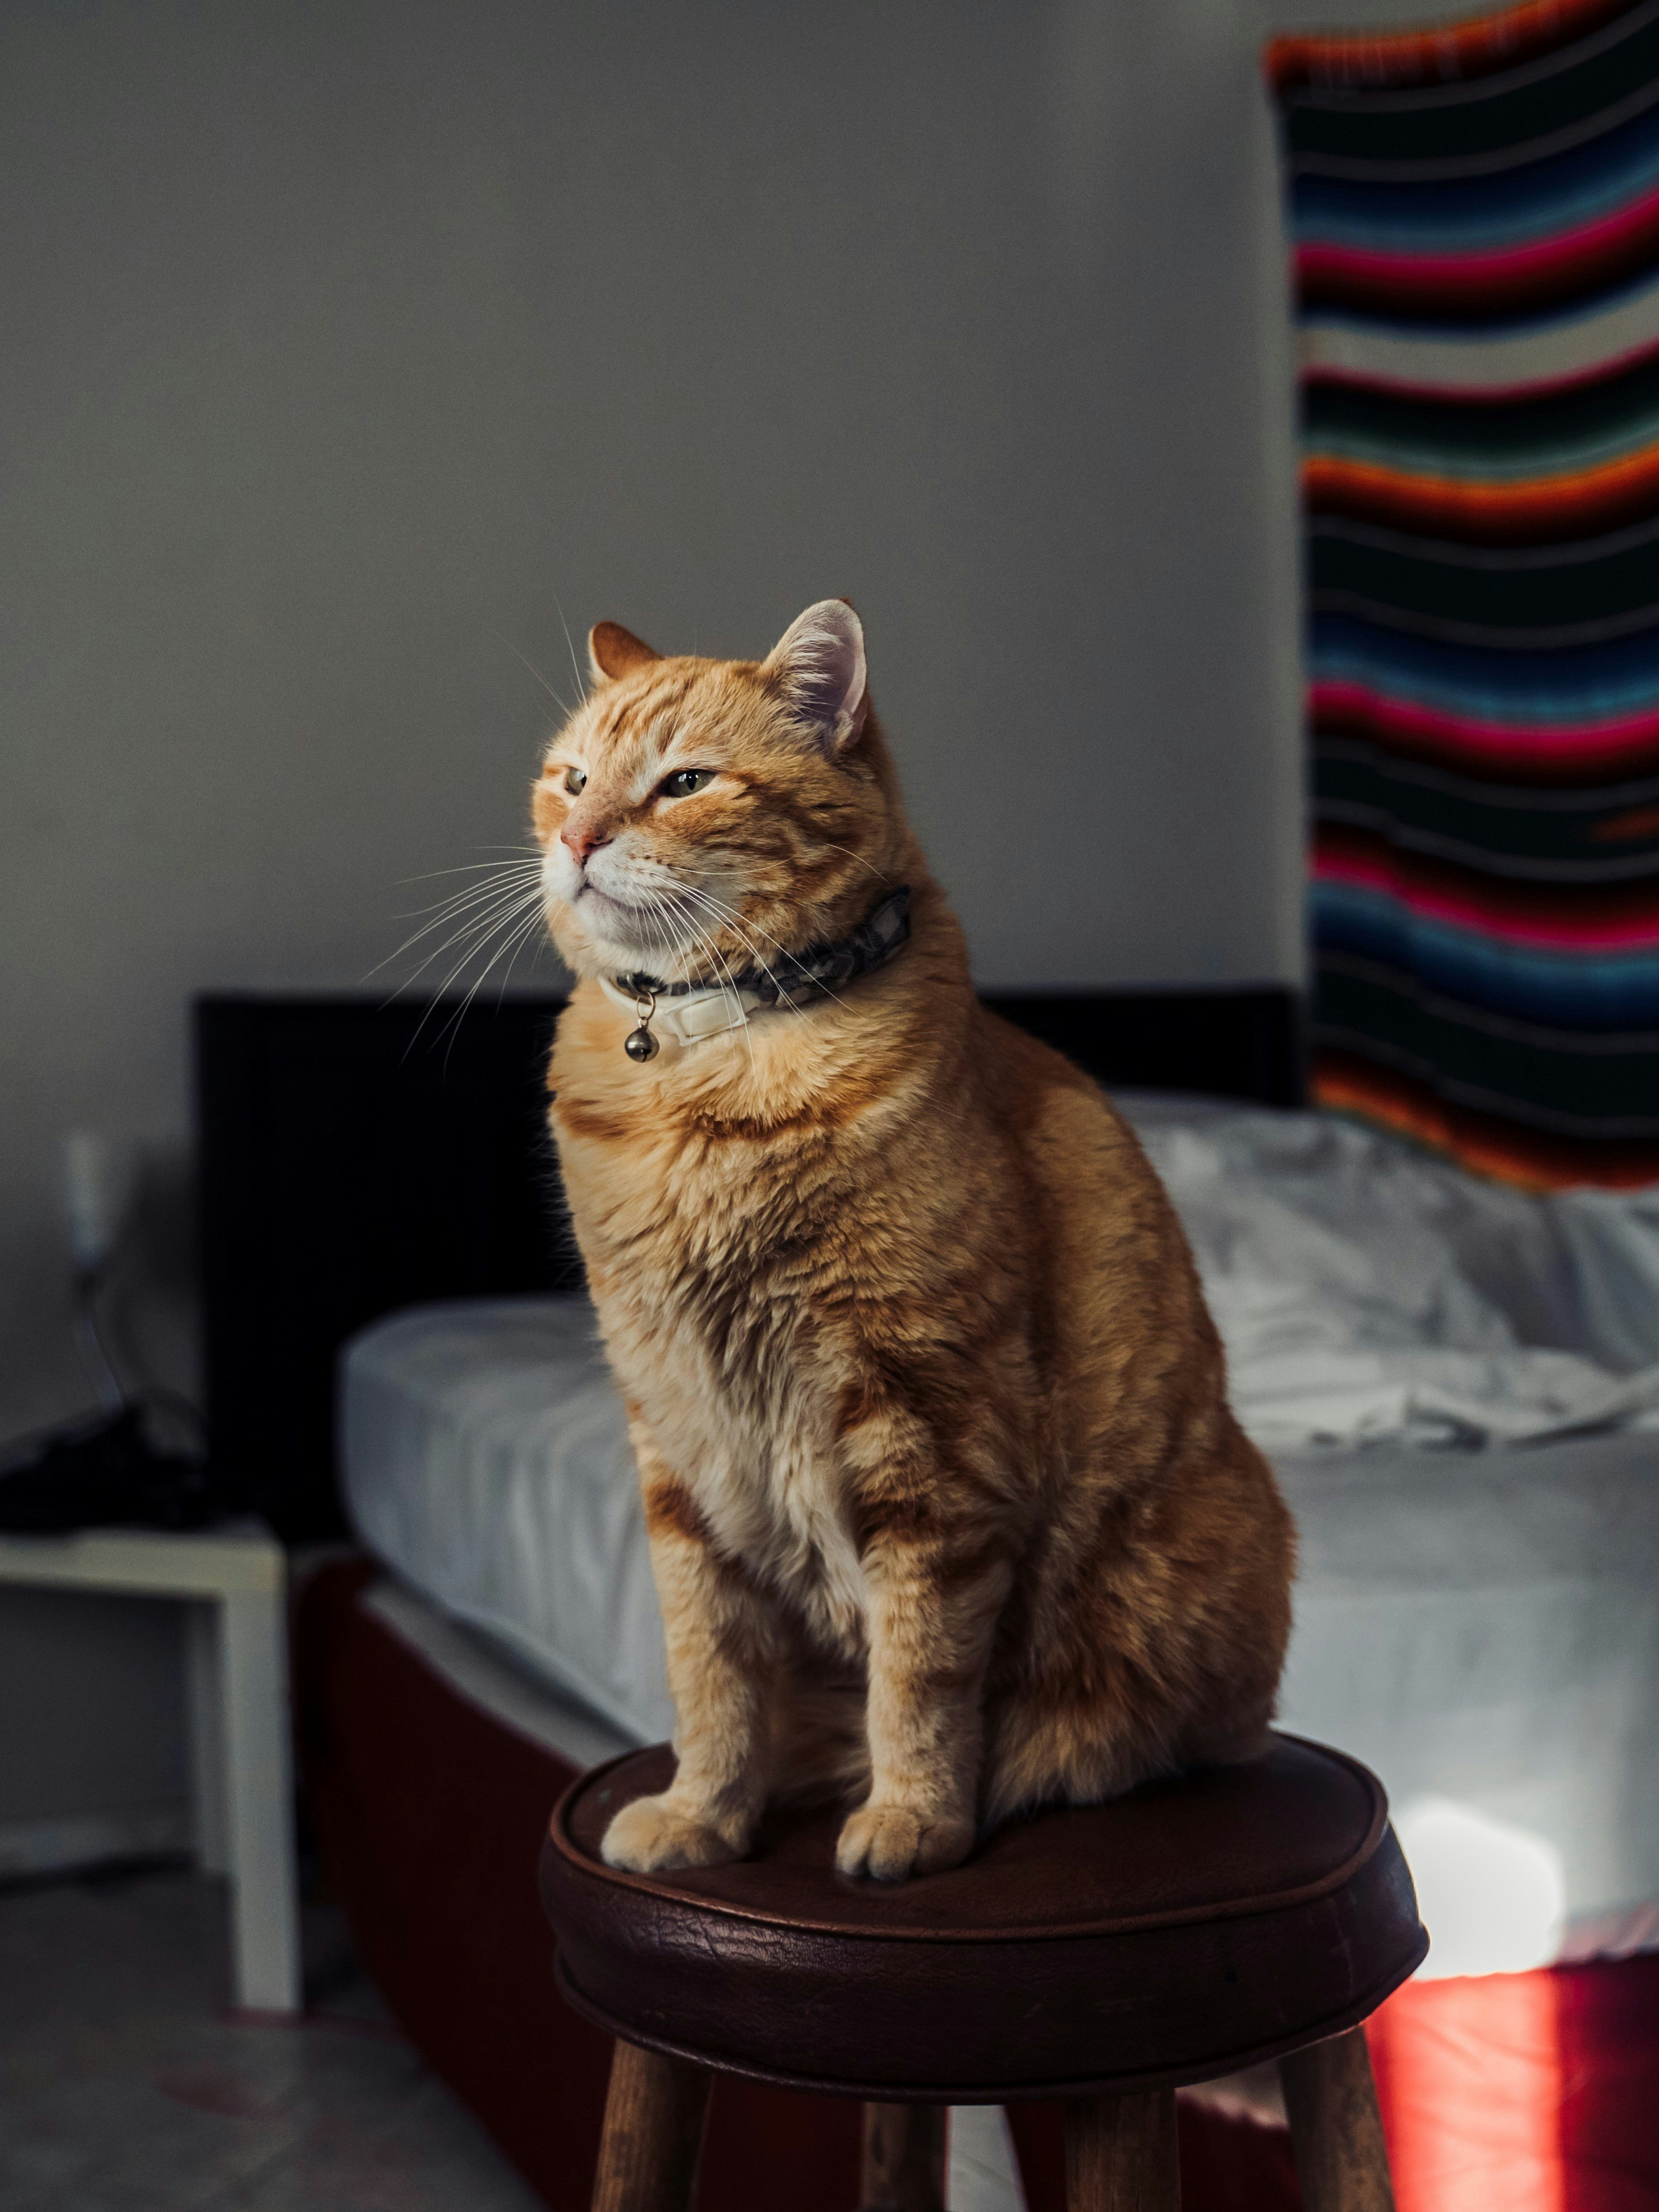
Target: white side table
{"x":233,"y":1580}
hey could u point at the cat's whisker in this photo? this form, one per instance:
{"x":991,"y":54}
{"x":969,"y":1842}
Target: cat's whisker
{"x":742,"y":922}
{"x":521,"y":874}
{"x":478,"y":933}
{"x":675,"y":955}
{"x":472,"y":868}
{"x":489,"y":900}
{"x":558,"y":700}
{"x":480,"y":945}
{"x":511,"y":871}
{"x":742,"y":1024}
{"x":527,"y":933}
{"x":661,"y":911}
{"x":511,"y":938}
{"x":452,"y":908}
{"x":693,"y":899}
{"x":681,"y":955}
{"x":661,"y":949}
{"x":739,"y":925}
{"x":581,"y":680}
{"x":511,"y":947}
{"x":879,"y":874}
{"x":702,"y":939}
{"x":784,"y":997}
{"x":830,"y":843}
{"x":507,"y":931}
{"x":728,"y":919}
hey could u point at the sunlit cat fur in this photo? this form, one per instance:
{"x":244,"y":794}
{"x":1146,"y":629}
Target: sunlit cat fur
{"x":946,"y":1509}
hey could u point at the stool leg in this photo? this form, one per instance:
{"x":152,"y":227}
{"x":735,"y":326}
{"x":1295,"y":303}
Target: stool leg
{"x":904,"y":2158}
{"x":653,"y":2133}
{"x":1121,"y":2154}
{"x":1331,"y":2101}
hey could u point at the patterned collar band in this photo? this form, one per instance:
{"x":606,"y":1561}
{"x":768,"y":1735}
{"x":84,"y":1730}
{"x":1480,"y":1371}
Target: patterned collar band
{"x":691,"y":1012}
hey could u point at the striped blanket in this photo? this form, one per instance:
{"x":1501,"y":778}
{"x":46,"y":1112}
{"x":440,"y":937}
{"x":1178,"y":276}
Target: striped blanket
{"x":1475,"y":219}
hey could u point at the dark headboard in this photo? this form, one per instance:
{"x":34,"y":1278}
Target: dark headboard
{"x":356,"y":1158}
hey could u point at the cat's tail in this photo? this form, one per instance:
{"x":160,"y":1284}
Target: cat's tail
{"x":819,"y":1751}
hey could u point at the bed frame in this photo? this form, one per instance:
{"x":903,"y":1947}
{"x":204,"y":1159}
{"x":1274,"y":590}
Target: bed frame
{"x":357,"y":1157}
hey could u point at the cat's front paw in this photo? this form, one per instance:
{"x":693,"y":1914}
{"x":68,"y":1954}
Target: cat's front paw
{"x":891,"y":1842}
{"x":654,"y":1834}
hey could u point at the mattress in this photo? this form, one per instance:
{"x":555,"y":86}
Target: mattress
{"x":1477,"y":1620}
{"x":487,"y":1460}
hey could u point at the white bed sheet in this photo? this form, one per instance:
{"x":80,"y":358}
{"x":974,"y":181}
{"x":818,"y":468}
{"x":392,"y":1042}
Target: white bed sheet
{"x":1481,"y":1627}
{"x":1477,"y":1621}
{"x":486,"y":1459}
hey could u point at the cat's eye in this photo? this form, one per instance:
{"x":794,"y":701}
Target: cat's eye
{"x":684,"y":781}
{"x":575,"y":778}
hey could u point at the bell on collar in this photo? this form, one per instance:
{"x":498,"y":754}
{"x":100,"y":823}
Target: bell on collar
{"x":639,"y":1044}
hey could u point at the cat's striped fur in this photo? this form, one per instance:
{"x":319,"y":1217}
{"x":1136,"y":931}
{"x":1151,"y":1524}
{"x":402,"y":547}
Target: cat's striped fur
{"x":947,"y":1507}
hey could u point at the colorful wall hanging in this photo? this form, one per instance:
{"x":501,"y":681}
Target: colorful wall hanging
{"x":1475,"y":221}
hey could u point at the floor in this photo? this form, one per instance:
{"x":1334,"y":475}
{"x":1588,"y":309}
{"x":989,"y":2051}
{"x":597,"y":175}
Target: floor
{"x":126,"y":2087}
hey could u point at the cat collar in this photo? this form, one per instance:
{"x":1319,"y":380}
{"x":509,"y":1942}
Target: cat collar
{"x":691,"y":1012}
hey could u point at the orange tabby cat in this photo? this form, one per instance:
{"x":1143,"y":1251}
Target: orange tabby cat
{"x":946,"y":1505}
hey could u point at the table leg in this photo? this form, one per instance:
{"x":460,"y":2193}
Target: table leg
{"x":904,"y":2153}
{"x":207,"y":1789}
{"x":259,"y":1799}
{"x":1121,"y":2154}
{"x":1330,"y":2100}
{"x":653,"y":2134}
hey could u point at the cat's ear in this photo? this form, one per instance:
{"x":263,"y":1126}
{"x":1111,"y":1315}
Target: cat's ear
{"x":614,"y":651}
{"x":819,"y":665}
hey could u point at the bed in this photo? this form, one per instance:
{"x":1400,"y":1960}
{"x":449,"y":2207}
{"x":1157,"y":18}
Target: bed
{"x":1453,"y":1383}
{"x":1481,"y":1627}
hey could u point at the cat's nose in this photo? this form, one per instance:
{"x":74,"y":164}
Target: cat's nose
{"x":583,"y":837}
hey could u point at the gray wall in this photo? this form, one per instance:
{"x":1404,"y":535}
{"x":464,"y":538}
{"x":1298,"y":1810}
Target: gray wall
{"x":340,"y":339}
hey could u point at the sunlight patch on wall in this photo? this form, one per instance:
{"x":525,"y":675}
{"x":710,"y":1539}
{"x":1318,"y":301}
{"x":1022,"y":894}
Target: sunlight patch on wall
{"x":1491,"y":1895}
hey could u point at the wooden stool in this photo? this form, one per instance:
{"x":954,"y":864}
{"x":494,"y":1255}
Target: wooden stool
{"x":1103,"y":1955}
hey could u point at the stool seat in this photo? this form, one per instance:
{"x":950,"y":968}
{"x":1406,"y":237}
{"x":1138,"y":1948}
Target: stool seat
{"x":1189,"y":1928}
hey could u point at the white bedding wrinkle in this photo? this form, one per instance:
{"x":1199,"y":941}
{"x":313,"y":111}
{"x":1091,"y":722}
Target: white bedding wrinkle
{"x":1611,"y":1239}
{"x":1368,"y":1293}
